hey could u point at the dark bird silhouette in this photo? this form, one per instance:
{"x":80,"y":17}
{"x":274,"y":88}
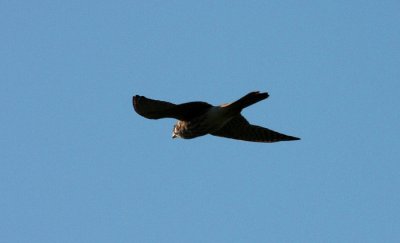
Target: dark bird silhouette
{"x":200,"y":118}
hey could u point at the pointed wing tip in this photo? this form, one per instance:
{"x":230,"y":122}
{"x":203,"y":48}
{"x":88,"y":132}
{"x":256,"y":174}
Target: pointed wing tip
{"x":291,"y":138}
{"x":284,"y":138}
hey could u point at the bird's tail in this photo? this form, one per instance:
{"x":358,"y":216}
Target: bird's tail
{"x":248,"y":100}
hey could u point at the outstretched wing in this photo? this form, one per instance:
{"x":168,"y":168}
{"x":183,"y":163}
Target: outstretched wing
{"x":156,"y":109}
{"x":239,"y":128}
{"x":152,"y":109}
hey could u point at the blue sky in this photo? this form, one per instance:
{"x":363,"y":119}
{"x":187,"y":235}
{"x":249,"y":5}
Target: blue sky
{"x":78,"y":165}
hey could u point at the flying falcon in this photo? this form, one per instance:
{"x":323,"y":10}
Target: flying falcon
{"x":200,"y":118}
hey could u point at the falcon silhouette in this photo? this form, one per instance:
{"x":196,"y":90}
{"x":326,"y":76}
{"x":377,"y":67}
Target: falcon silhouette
{"x":200,"y":118}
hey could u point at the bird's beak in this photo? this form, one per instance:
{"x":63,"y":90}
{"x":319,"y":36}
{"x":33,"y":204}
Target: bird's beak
{"x":174,"y":136}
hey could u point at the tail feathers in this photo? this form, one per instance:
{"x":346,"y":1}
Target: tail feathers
{"x":248,"y":100}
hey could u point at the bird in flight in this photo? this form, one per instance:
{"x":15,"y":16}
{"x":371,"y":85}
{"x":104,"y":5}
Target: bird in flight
{"x":199,"y":118}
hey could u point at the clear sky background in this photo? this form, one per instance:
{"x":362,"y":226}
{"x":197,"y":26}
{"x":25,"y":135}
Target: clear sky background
{"x":78,"y":165}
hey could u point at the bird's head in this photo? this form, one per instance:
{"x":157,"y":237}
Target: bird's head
{"x":175,"y":131}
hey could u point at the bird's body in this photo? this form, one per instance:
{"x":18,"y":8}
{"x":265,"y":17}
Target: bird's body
{"x":200,"y":118}
{"x":212,"y":120}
